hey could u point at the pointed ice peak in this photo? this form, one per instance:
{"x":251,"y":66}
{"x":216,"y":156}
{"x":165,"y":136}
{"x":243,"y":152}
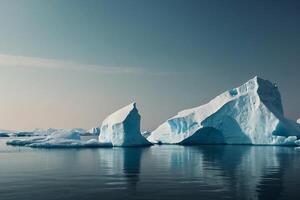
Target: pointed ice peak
{"x":256,"y":83}
{"x":266,"y":91}
{"x":120,"y":115}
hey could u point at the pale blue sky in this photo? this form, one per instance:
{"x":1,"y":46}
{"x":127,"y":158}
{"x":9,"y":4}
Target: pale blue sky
{"x":71,"y":63}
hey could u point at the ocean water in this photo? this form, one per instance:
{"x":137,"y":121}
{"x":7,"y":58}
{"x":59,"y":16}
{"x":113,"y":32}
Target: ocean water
{"x":157,"y":172}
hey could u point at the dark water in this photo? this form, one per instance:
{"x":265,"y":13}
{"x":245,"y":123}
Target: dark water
{"x":157,"y":172}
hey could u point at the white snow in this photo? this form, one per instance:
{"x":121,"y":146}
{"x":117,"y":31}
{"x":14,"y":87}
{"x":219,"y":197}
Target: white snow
{"x":298,"y":121}
{"x":122,"y":128}
{"x":58,"y":139}
{"x":249,"y":114}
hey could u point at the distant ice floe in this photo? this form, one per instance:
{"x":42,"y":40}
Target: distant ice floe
{"x":58,"y":139}
{"x":46,"y":132}
{"x":4,"y":134}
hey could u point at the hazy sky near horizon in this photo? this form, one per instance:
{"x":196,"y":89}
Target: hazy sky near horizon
{"x":69,"y":64}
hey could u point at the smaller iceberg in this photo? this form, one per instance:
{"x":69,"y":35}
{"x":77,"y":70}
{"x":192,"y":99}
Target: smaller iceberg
{"x":298,"y":121}
{"x":122,"y":128}
{"x":58,"y":139}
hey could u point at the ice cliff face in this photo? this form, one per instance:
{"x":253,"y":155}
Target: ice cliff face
{"x":122,"y":128}
{"x":249,"y":114}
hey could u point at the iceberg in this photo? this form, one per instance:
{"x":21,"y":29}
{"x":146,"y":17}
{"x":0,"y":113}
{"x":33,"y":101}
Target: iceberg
{"x":58,"y":139}
{"x":122,"y":128}
{"x":298,"y":121}
{"x":249,"y":114}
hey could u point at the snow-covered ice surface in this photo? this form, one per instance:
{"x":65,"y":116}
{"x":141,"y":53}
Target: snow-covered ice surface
{"x":58,"y":139}
{"x":249,"y":114}
{"x":122,"y":128}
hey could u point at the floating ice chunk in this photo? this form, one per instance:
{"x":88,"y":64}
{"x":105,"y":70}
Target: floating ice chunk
{"x":122,"y":128}
{"x":249,"y":114}
{"x":287,"y":141}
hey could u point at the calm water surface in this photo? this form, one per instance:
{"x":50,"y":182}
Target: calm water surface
{"x":157,"y":172}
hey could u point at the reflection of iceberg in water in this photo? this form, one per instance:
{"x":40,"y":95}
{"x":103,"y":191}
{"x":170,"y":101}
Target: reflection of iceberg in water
{"x":235,"y":170}
{"x":251,"y":170}
{"x":124,"y":163}
{"x":281,"y":182}
{"x":271,"y":184}
{"x":132,"y":165}
{"x":247,"y":168}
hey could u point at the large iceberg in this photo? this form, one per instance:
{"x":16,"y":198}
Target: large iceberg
{"x":122,"y":128}
{"x":249,"y":114}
